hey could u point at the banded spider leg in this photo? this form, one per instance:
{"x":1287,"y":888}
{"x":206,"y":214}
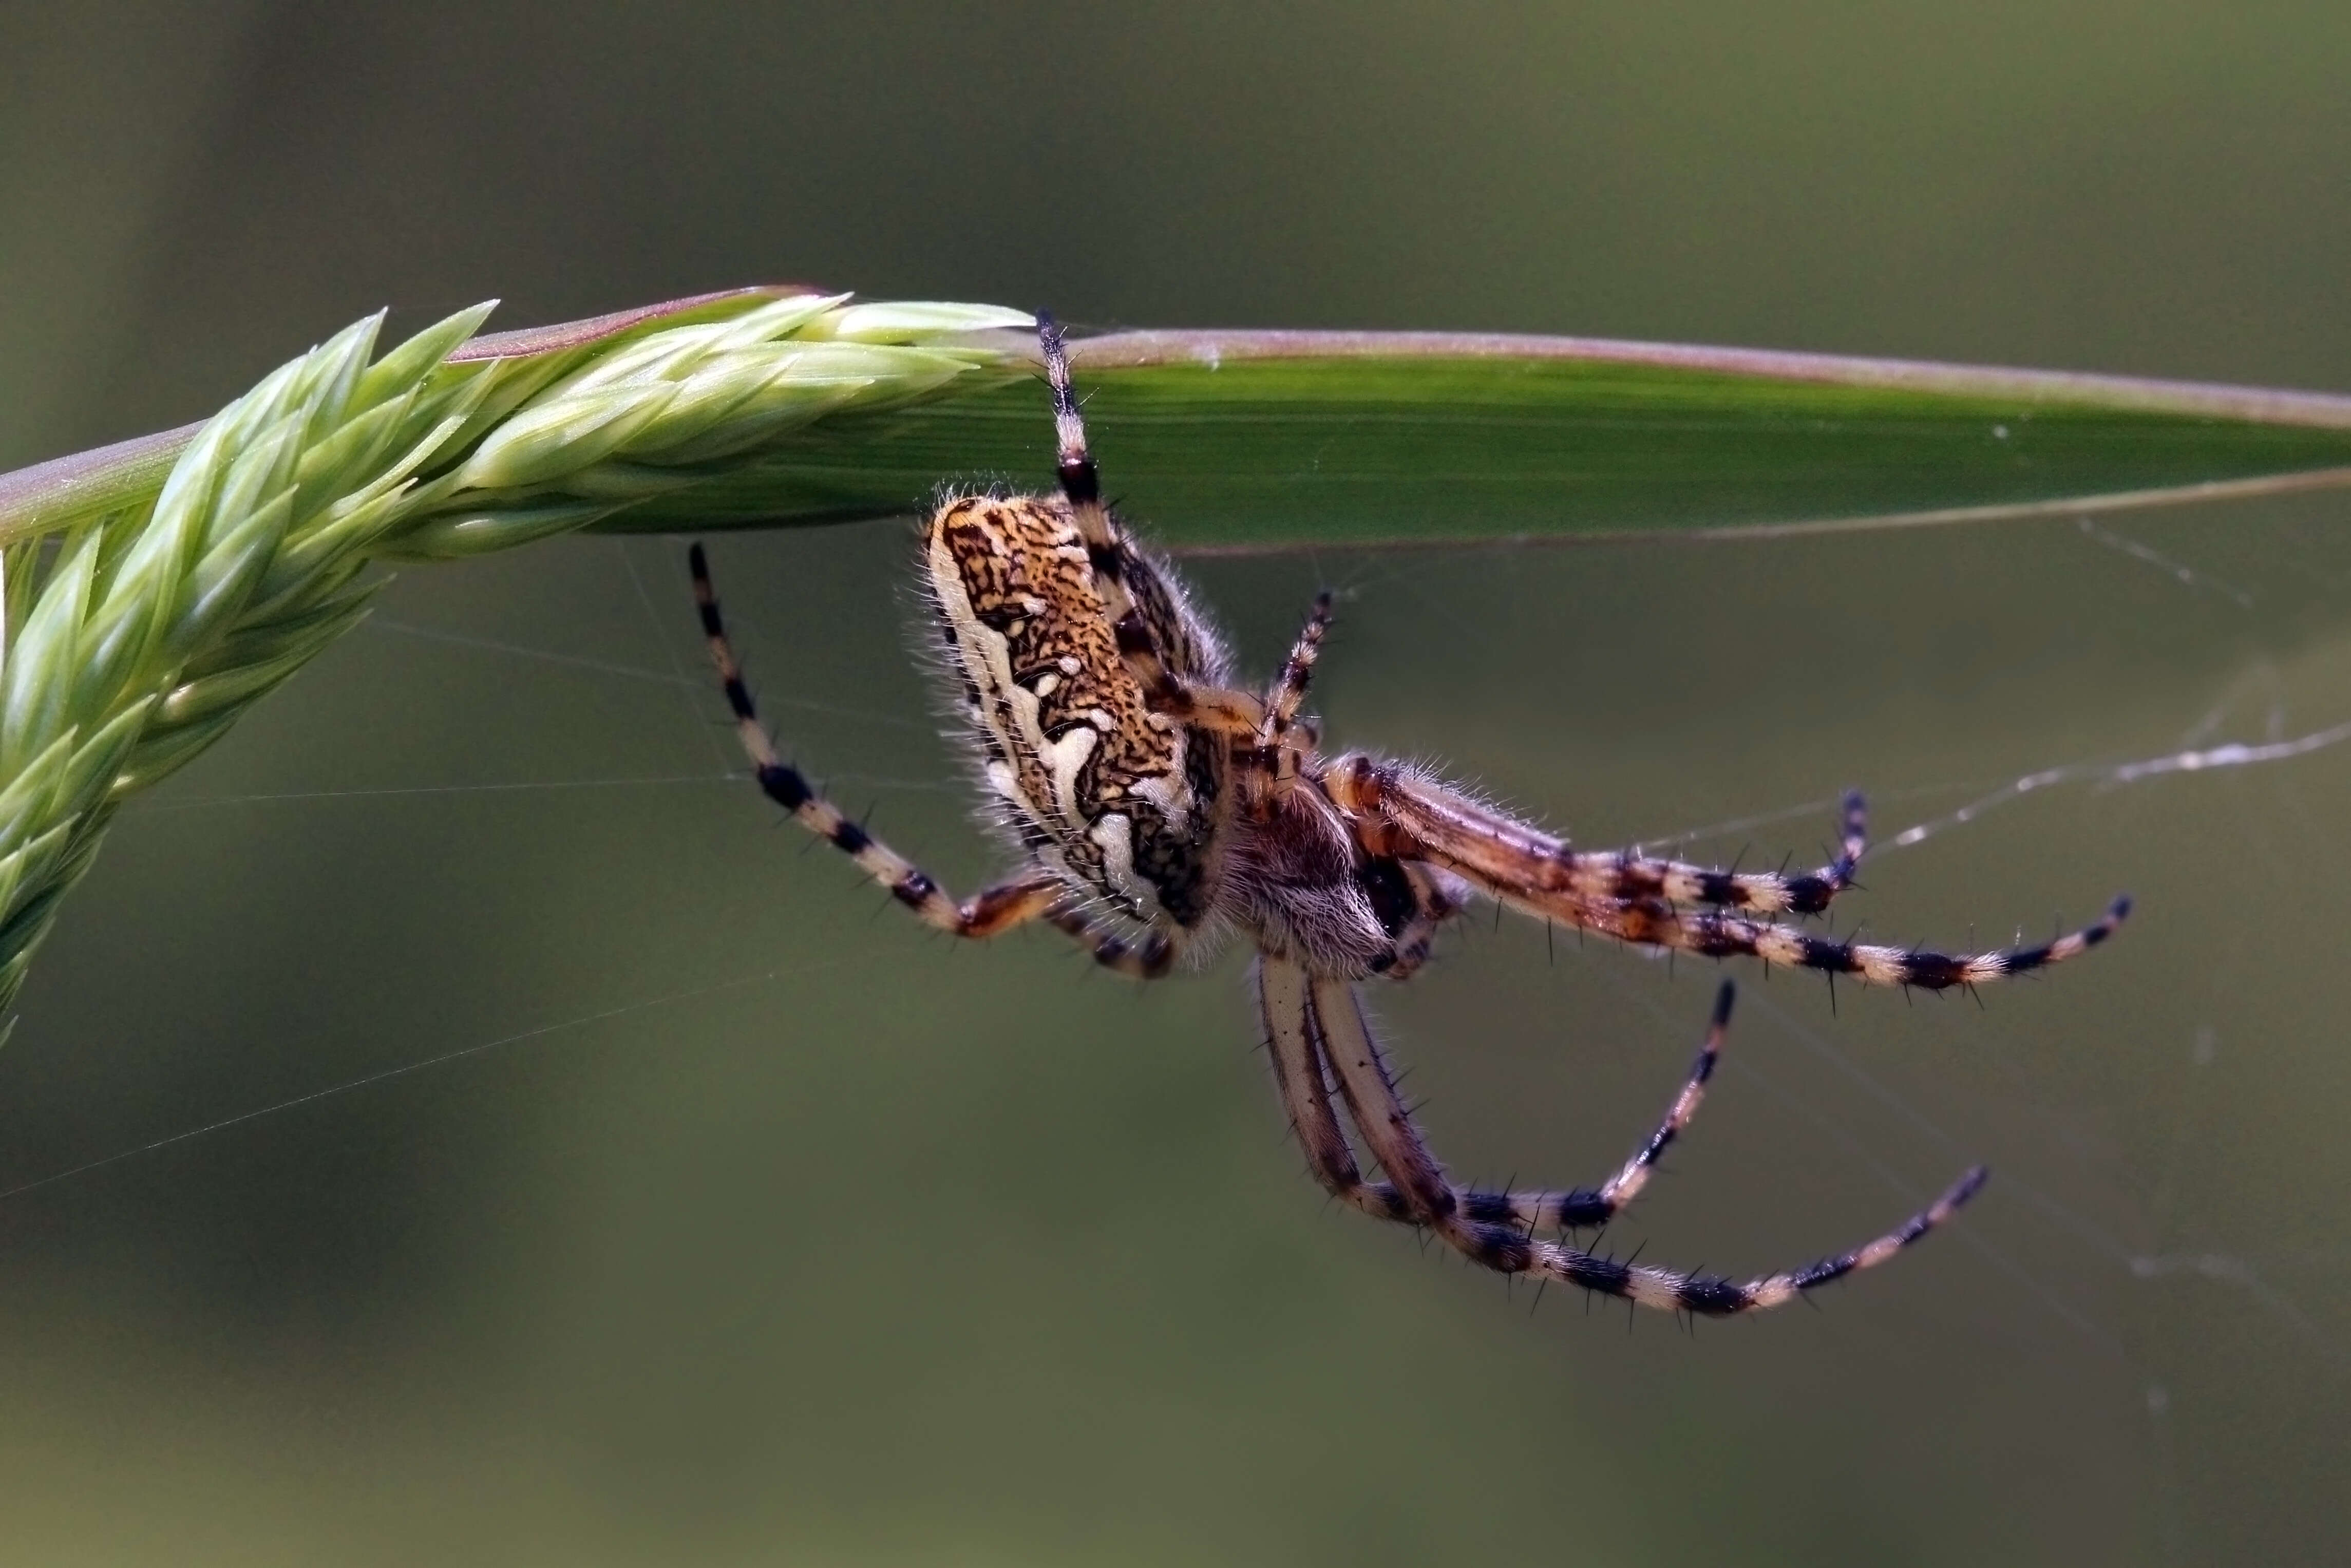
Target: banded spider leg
{"x":1318,"y":1036}
{"x":1400,"y":813}
{"x":1037,"y":894}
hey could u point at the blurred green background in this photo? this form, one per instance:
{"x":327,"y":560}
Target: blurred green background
{"x":755,"y":1226}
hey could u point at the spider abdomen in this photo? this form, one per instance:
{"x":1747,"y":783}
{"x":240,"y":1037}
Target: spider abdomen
{"x":1123,"y":802}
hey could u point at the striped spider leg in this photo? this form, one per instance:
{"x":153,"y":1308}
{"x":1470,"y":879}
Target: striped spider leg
{"x":1316,"y":1035}
{"x":1283,"y":1002}
{"x":1404,"y":814}
{"x":1284,"y":739}
{"x":1035,"y":895}
{"x":1166,"y":647}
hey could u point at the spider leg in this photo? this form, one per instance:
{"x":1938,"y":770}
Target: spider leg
{"x":1437,"y":896}
{"x":1110,"y":555}
{"x":1508,"y":855}
{"x":1585,"y":1209}
{"x":1716,"y":934}
{"x":1400,"y":814}
{"x":1298,"y":1076}
{"x":1290,"y":687}
{"x":1273,"y":753}
{"x":1073,"y":463}
{"x":1316,"y":1020}
{"x":1037,"y":894}
{"x":1228,"y":711}
{"x":1306,"y":1098}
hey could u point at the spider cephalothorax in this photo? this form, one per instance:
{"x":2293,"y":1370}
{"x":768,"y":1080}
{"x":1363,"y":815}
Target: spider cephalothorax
{"x":1156,"y":804}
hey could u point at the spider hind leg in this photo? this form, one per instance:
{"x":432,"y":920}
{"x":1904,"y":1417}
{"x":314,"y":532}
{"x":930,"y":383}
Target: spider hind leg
{"x":1585,"y":1209}
{"x":1318,"y":1037}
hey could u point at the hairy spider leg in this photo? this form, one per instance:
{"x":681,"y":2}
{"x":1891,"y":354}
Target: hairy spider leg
{"x":1110,"y":554}
{"x":1434,"y":902}
{"x":1404,"y":815}
{"x":1073,"y":465}
{"x":1578,"y":1208}
{"x":1713,"y":934}
{"x":1277,"y":755}
{"x":1581,"y":1209}
{"x":1038,"y":894}
{"x":1299,"y":1078}
{"x":1510,"y":856}
{"x":1316,"y":1026}
{"x":1297,"y":671}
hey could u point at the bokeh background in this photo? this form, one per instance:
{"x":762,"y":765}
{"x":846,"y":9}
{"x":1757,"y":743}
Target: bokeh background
{"x":700,"y":1211}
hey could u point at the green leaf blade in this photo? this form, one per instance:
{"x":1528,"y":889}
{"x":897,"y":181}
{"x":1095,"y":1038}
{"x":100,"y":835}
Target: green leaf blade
{"x":1274,"y":441}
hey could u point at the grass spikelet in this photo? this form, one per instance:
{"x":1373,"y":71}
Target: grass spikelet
{"x":131,"y":641}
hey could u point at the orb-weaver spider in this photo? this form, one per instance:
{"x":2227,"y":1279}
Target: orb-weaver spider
{"x":1158,"y":805}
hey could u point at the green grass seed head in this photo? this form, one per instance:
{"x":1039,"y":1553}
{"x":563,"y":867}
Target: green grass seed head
{"x":137,"y":638}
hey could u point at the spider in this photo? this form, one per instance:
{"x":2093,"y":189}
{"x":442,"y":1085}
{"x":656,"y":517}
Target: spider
{"x":1157,"y":805}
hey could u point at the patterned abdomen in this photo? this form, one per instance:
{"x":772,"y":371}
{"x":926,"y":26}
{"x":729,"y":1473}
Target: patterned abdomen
{"x":1118,"y":799}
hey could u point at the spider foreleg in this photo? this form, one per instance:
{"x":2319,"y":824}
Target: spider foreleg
{"x":1398,"y":813}
{"x":1718,"y":933}
{"x":1427,"y":819}
{"x":1278,"y":755}
{"x":1113,"y":562}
